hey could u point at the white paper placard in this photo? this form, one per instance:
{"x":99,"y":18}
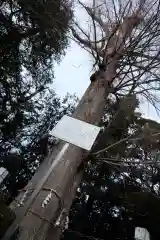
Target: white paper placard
{"x":77,"y":132}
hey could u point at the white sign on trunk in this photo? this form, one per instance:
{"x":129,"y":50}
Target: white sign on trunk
{"x":141,"y":234}
{"x":77,"y":132}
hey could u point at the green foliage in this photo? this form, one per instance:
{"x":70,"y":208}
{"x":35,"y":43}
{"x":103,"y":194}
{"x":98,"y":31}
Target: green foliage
{"x":6,"y":214}
{"x":33,"y":36}
{"x":19,"y":154}
{"x":117,"y":193}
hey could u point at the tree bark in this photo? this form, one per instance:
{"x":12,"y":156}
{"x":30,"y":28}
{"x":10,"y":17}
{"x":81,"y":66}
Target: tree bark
{"x":90,"y":109}
{"x":33,"y":226}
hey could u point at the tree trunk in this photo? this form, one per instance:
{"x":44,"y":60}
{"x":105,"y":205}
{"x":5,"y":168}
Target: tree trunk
{"x":90,"y":109}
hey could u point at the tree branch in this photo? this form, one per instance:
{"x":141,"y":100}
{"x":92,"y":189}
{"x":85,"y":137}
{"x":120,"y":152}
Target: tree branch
{"x":81,"y":40}
{"x":95,"y":17}
{"x":129,"y":138}
{"x":137,"y":54}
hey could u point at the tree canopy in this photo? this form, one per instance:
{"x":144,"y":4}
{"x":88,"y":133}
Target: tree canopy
{"x":33,"y":36}
{"x":121,"y":183}
{"x":136,"y":52}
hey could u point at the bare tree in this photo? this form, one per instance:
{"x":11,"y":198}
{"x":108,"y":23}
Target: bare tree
{"x":137,"y":51}
{"x":123,"y":39}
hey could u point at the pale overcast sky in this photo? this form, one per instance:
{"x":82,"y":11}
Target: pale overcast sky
{"x":73,"y":73}
{"x":72,"y":76}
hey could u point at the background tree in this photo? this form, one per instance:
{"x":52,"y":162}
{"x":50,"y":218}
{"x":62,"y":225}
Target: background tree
{"x":22,"y":155}
{"x":33,"y":36}
{"x":120,"y":188}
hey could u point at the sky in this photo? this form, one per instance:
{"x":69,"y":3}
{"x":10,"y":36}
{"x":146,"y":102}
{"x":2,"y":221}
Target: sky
{"x":72,"y":75}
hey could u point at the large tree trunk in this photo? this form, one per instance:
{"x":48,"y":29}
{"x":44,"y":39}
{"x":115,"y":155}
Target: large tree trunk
{"x":90,"y":109}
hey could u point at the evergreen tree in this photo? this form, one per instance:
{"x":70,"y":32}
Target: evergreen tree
{"x":33,"y":36}
{"x":120,"y":189}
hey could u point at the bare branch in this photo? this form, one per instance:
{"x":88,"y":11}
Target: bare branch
{"x":145,"y":56}
{"x":81,"y":40}
{"x":130,"y":138}
{"x":96,"y":18}
{"x":137,"y":52}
